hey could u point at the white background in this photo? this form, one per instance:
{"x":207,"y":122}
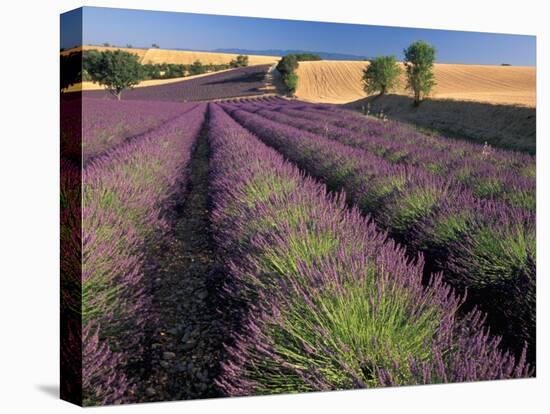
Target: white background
{"x":29,"y":234}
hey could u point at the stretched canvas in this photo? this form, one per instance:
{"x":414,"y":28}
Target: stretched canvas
{"x":255,"y":206}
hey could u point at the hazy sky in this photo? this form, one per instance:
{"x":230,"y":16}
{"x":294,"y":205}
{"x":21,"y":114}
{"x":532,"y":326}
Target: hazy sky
{"x":208,"y":32}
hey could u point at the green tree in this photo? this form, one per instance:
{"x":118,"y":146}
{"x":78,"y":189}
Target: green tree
{"x":150,"y":71}
{"x":117,"y":70}
{"x":196,"y":68}
{"x":291,"y":82}
{"x":239,"y":61}
{"x":419,"y":62}
{"x":174,"y":71}
{"x":242,"y":60}
{"x":303,"y":57}
{"x":90,"y":61}
{"x":382,"y":75}
{"x":287,"y":65}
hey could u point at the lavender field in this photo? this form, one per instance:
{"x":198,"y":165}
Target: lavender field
{"x":256,"y":206}
{"x":267,"y":245}
{"x":220,"y":237}
{"x":470,"y":211}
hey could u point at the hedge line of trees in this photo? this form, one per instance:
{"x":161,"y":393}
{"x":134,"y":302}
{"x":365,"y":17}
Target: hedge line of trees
{"x":118,"y":70}
{"x":303,"y":57}
{"x":172,"y":70}
{"x":287,"y":67}
{"x":239,"y":62}
{"x":382,"y":74}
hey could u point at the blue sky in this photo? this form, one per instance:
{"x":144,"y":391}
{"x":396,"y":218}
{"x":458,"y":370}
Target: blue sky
{"x":207,"y":32}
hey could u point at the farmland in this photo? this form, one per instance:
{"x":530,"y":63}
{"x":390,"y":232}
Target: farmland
{"x":340,"y":82}
{"x":266,"y":245}
{"x":481,"y":103}
{"x":237,"y":225}
{"x":116,"y":302}
{"x":248,"y":81}
{"x":449,"y":207}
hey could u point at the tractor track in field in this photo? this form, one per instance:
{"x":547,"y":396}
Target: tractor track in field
{"x":185,"y":346}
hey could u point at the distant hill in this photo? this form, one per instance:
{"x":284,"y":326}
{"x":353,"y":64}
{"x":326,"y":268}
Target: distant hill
{"x":280,"y":52}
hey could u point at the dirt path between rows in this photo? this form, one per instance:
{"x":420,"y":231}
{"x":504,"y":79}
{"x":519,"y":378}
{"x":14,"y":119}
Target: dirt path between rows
{"x":186,"y":346}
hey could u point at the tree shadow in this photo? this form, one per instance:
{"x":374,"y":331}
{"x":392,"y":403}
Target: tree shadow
{"x":505,"y":126}
{"x":278,"y":83}
{"x":254,"y":77}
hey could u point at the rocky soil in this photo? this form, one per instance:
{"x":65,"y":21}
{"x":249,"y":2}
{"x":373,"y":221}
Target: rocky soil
{"x":185,"y":346}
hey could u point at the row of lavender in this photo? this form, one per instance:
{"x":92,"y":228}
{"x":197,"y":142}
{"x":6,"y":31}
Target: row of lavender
{"x":483,"y":245}
{"x":124,"y":195}
{"x":326,"y":300}
{"x":489,"y":173}
{"x":107,"y":123}
{"x":392,"y":130}
{"x":90,"y":127}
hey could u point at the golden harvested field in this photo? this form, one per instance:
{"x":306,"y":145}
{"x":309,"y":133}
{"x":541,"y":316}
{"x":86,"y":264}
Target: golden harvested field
{"x":340,"y":82}
{"x":187,"y":57}
{"x":181,"y":57}
{"x":139,"y":52}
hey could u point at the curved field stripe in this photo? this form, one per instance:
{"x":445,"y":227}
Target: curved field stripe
{"x":327,"y":301}
{"x":246,"y":81}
